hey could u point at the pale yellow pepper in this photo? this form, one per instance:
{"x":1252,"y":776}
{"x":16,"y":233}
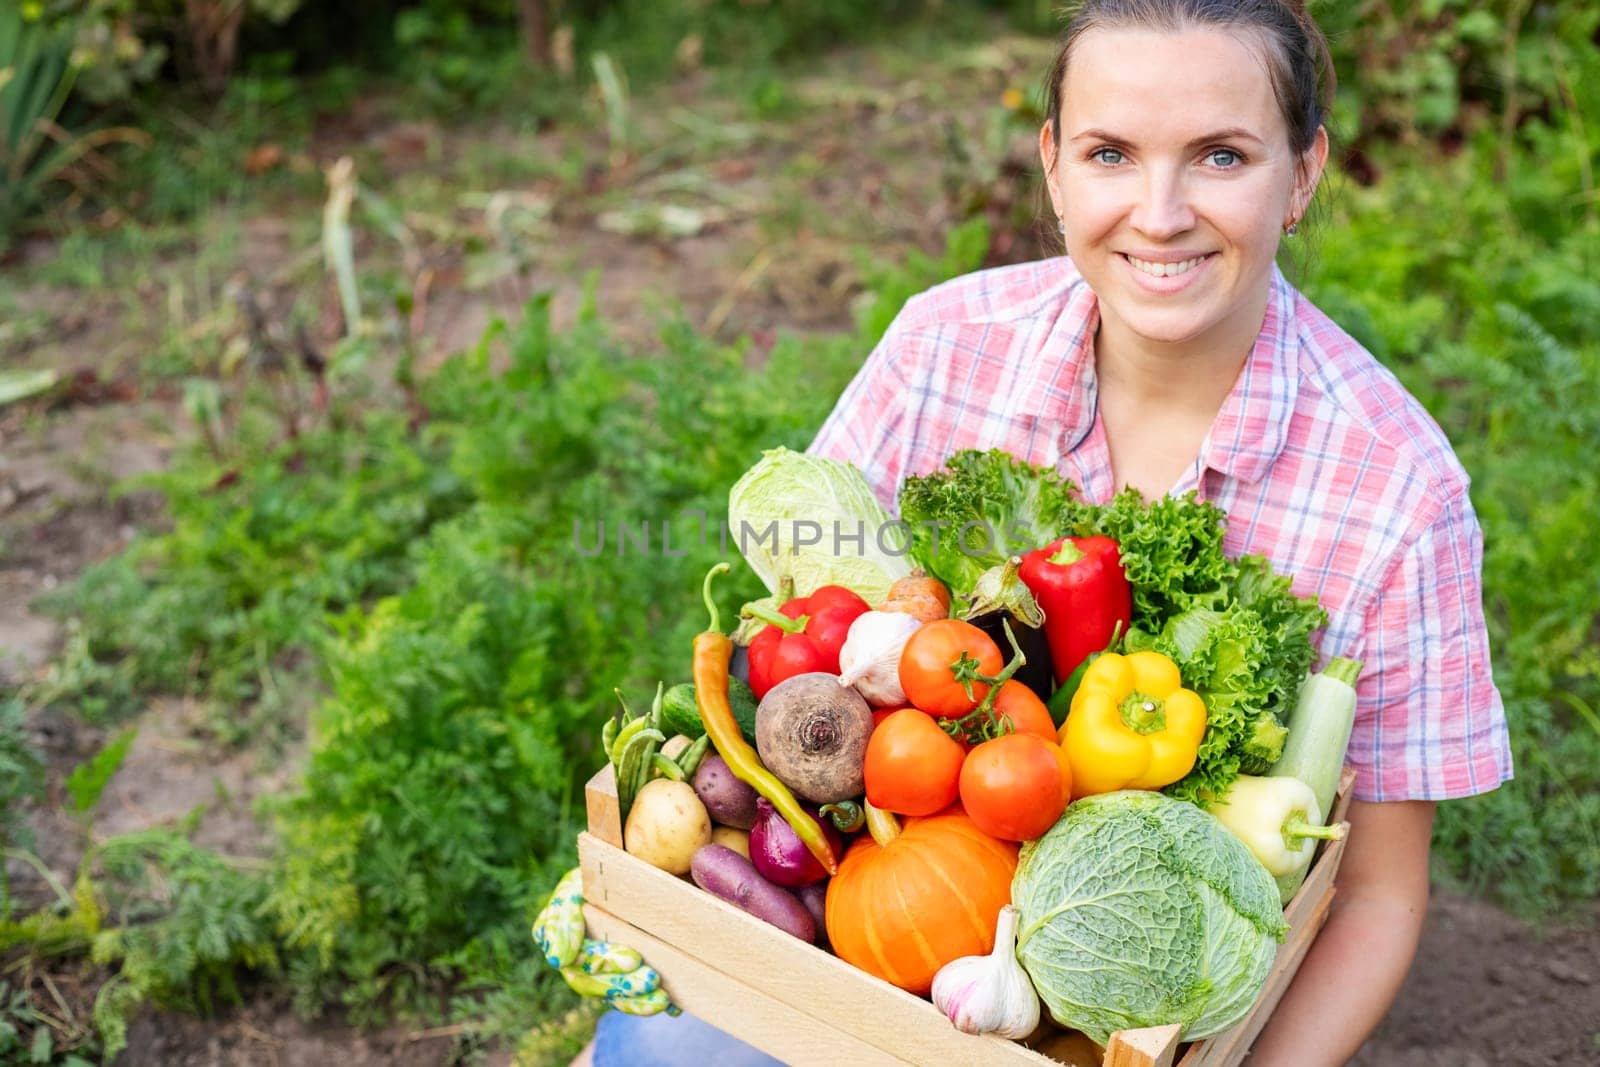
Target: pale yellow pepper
{"x":1132,"y":725}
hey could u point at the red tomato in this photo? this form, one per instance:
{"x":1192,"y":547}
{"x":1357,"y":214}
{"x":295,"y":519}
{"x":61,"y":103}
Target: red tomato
{"x":912,"y":766}
{"x":1026,"y":711}
{"x":925,"y":666}
{"x":1016,"y":786}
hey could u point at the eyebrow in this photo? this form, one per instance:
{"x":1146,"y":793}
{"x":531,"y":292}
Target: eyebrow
{"x":1231,"y":133}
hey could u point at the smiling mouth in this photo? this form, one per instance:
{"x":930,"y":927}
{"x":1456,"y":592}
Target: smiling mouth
{"x":1166,"y":270}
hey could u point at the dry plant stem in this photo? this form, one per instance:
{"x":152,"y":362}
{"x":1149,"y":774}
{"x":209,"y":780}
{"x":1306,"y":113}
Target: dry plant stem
{"x":338,"y":245}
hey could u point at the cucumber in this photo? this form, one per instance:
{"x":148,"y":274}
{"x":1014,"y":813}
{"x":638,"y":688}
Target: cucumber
{"x":1319,"y":733}
{"x":681,"y":714}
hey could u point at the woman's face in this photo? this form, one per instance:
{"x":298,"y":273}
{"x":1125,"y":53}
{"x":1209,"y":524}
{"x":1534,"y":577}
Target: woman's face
{"x":1175,"y":177}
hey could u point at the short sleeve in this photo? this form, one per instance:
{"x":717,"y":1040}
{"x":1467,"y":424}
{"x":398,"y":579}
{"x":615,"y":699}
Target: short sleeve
{"x":1430,"y":724}
{"x":867,"y":425}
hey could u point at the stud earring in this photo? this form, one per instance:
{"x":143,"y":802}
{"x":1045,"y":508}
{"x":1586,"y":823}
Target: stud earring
{"x":1061,"y":224}
{"x":1291,"y":229}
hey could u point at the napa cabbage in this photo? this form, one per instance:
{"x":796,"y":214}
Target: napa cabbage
{"x":814,"y":520}
{"x":1140,"y":910}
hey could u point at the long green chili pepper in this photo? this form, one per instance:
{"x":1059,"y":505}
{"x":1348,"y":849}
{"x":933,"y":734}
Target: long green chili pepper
{"x":712,"y":651}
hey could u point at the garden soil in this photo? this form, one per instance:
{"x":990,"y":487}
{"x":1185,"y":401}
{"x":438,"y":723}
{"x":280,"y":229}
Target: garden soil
{"x":1486,"y":988}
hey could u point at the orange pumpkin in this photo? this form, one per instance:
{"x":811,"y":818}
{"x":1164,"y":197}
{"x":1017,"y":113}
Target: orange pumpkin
{"x":907,"y":902}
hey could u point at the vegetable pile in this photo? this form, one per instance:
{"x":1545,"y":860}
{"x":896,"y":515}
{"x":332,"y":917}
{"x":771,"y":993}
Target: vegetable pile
{"x":1063,"y":752}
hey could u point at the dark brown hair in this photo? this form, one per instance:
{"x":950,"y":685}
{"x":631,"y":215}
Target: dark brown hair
{"x":1298,"y":61}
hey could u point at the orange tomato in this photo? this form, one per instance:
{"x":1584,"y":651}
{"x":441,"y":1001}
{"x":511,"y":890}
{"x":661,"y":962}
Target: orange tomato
{"x":926,"y":662}
{"x":879,"y":714}
{"x":912,"y":766}
{"x":1016,"y":786}
{"x":1026,"y":711}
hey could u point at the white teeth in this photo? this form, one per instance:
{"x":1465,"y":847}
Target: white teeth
{"x":1165,"y":270}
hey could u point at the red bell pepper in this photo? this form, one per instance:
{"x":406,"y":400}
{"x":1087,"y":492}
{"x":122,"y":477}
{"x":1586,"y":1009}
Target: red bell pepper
{"x":1080,"y":584}
{"x":802,"y":636}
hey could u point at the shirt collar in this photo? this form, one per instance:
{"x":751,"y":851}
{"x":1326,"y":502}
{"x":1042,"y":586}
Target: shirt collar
{"x":1061,"y":383}
{"x":1250,"y":429}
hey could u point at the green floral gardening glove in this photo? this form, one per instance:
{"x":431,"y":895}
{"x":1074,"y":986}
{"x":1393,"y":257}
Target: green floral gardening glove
{"x":595,"y":968}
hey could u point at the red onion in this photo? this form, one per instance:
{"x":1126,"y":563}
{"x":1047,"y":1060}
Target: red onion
{"x":779,"y":854}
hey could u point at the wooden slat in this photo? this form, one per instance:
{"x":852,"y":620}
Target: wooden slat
{"x":605,"y":811}
{"x":1341,"y":798}
{"x":1318,"y":884}
{"x":1152,"y":1046}
{"x":740,"y":1009}
{"x":791,"y":971}
{"x":1068,"y":1046}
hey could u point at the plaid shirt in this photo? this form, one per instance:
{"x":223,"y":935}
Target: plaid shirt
{"x":1321,"y":459}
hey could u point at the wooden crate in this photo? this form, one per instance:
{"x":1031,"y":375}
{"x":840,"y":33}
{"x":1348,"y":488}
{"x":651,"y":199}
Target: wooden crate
{"x":806,"y":1006}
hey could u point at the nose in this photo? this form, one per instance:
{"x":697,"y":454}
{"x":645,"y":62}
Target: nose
{"x":1164,"y":210}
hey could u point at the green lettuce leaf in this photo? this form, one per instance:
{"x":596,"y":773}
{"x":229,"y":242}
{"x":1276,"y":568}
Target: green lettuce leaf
{"x":1171,"y":550}
{"x":981,"y":509}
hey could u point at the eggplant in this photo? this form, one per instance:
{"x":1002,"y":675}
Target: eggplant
{"x":1037,"y":673}
{"x":1000,"y":597}
{"x":739,"y":663}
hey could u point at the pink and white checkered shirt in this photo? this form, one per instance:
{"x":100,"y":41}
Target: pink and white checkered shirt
{"x":1321,"y":459}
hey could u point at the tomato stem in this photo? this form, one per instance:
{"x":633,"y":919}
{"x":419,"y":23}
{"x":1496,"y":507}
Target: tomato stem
{"x":981,"y":722}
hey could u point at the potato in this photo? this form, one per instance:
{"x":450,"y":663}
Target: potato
{"x":675,"y":746}
{"x":730,"y":876}
{"x":666,"y":825}
{"x":730,"y":801}
{"x":732,"y":837}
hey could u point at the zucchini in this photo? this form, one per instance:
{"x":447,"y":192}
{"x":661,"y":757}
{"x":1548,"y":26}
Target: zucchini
{"x":681,"y":714}
{"x":1319,"y":733}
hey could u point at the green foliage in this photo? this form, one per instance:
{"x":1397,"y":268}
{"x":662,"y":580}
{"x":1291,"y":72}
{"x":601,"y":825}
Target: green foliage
{"x":1480,"y":291}
{"x":1414,"y":69}
{"x":21,"y":777}
{"x":26,"y":1034}
{"x":36,"y":75}
{"x":439,"y":775}
{"x":180,"y":920}
{"x":89,"y":778}
{"x":267,"y":538}
{"x":178,"y":923}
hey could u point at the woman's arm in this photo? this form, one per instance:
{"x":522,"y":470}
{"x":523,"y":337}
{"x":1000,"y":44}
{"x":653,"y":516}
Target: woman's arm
{"x":1355,"y":967}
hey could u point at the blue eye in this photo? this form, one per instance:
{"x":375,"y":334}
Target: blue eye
{"x":1224,"y":158}
{"x":1103,"y":155}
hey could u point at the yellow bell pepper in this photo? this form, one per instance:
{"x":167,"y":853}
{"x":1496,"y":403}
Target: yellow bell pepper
{"x":1132,"y":725}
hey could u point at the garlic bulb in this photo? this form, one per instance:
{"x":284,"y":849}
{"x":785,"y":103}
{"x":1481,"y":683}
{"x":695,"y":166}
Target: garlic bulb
{"x":990,"y":994}
{"x":870,"y":657}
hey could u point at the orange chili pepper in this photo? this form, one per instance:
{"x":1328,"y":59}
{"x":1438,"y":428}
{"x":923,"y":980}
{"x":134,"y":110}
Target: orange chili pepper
{"x":712,"y":652}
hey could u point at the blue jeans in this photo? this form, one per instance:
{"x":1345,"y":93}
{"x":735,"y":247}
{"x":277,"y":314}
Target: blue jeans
{"x":664,"y":1041}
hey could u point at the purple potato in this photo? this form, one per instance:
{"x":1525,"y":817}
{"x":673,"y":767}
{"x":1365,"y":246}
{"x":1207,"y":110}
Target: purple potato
{"x":721,"y":871}
{"x":815,"y":898}
{"x":730,"y":801}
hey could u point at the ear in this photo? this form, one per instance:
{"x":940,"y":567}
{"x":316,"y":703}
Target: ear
{"x":1309,"y":174}
{"x":1047,"y":156}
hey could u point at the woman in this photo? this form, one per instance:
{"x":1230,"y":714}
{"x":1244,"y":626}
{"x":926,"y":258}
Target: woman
{"x":1166,"y":352}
